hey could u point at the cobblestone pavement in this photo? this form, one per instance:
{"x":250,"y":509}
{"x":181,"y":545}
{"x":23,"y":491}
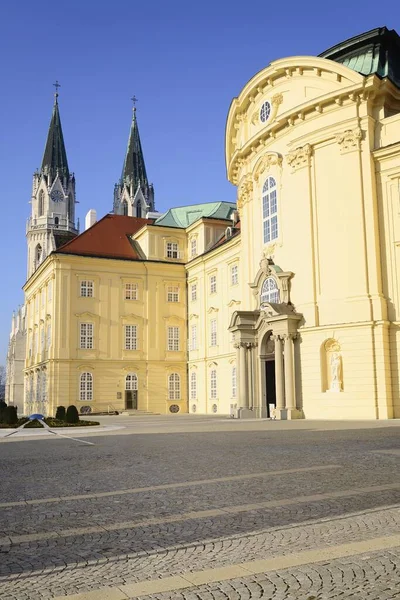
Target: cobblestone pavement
{"x":164,"y":504}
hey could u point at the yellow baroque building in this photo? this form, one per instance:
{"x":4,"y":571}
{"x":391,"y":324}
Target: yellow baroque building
{"x":284,"y":305}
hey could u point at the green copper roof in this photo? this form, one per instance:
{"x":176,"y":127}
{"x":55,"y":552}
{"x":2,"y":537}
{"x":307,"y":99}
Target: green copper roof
{"x":373,"y":52}
{"x":55,"y":156}
{"x":134,"y":170}
{"x":183,"y":216}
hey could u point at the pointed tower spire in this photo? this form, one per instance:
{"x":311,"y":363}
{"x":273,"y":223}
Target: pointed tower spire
{"x":55,"y":156}
{"x":133,"y":195}
{"x":134,"y":169}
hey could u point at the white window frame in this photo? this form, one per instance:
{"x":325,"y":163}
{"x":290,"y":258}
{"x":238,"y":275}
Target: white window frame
{"x":131,"y":382}
{"x":193,"y":385}
{"x":193,"y":337}
{"x":193,"y":247}
{"x":130,"y":337}
{"x":213,"y":284}
{"x":85,"y":387}
{"x":234,"y":274}
{"x":173,"y":293}
{"x":234,"y":382}
{"x":213,"y":384}
{"x":86,"y":331}
{"x":87,"y":288}
{"x":172,"y":250}
{"x":269,"y":208}
{"x":131,"y":291}
{"x":269,"y":291}
{"x":213,"y":332}
{"x":193,"y":292}
{"x":174,"y":386}
{"x":173,"y":338}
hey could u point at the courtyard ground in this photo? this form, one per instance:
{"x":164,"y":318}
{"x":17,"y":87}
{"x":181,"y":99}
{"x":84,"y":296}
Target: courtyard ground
{"x":197,"y":508}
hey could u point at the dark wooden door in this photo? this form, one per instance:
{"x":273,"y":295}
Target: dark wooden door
{"x":131,"y":399}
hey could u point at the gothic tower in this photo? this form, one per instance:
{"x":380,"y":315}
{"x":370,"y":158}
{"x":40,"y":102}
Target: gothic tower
{"x":133,"y":195}
{"x":52,"y":221}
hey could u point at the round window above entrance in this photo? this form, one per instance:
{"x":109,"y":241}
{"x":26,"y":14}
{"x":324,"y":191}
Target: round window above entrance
{"x":269,"y":291}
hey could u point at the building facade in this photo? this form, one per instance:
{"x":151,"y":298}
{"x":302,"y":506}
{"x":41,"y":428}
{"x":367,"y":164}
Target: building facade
{"x":283,"y":305}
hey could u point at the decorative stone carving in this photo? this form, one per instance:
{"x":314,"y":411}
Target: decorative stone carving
{"x":300,"y":157}
{"x":244,"y":191}
{"x":255,"y":117}
{"x":265,"y":265}
{"x":276,"y":100}
{"x":336,"y":372}
{"x":349,"y":140}
{"x":266,"y":162}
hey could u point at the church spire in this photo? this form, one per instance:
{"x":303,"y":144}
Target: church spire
{"x":134,"y":169}
{"x":133,"y":194}
{"x":55,"y":156}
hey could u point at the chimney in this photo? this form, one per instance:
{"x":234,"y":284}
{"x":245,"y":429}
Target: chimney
{"x":90,"y":218}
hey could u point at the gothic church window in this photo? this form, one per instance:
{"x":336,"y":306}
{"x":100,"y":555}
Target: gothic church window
{"x":86,"y":387}
{"x":70,"y":207}
{"x":125,"y":208}
{"x":41,"y":203}
{"x":269,"y":210}
{"x":139,"y":209}
{"x":269,"y":291}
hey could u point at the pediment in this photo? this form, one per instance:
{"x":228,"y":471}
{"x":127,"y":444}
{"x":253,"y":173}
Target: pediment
{"x":87,"y":314}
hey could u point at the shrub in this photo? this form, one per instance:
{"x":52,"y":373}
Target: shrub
{"x":60,"y":413}
{"x":3,"y":407}
{"x":72,"y":415}
{"x":10,"y":415}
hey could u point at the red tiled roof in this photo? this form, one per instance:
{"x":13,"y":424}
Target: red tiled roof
{"x":107,"y":238}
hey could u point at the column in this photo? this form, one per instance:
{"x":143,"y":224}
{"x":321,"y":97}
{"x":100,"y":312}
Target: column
{"x":242,"y":375}
{"x":279,"y":389}
{"x":290,"y":392}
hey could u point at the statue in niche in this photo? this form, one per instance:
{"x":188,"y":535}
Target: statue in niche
{"x":336,"y":375}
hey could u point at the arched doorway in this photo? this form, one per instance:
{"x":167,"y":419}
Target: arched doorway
{"x":267,"y":364}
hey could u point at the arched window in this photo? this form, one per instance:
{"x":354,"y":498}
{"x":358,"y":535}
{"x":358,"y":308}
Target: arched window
{"x":174,"y":387}
{"x":86,"y":387}
{"x":269,"y":291}
{"x":125,"y":208}
{"x":213,"y":384}
{"x":41,"y":203}
{"x":38,"y":254}
{"x":193,"y":385}
{"x":139,"y":209}
{"x":131,"y":381}
{"x":269,"y":210}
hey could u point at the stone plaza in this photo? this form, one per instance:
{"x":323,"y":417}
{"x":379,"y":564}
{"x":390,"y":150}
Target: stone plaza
{"x":202,"y":508}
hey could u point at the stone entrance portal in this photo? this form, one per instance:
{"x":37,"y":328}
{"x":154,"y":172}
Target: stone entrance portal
{"x":264,"y":340}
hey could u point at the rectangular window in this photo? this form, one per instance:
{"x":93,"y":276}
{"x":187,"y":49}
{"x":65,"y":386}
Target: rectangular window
{"x":213,"y":332}
{"x":173,"y":339}
{"x":213,"y":284}
{"x":86,"y":336}
{"x":193,"y":386}
{"x":87,"y":289}
{"x":193,"y":248}
{"x":131,"y":291}
{"x":130,"y":337}
{"x":234,"y":382}
{"x":193,"y":341}
{"x":173,"y":294}
{"x":213,"y":384}
{"x":234,"y":275}
{"x":172,"y":250}
{"x":193,"y":290}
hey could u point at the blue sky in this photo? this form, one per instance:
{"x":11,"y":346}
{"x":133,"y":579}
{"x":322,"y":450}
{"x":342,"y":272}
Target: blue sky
{"x":184,"y":61}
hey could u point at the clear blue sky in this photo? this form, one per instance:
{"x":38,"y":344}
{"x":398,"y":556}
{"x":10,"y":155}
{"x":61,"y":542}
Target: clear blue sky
{"x":185,"y":61}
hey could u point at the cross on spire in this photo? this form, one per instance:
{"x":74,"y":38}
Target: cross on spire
{"x":56,"y":85}
{"x":134,"y":100}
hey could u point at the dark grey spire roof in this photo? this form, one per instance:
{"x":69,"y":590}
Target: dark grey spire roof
{"x":55,"y":156}
{"x":134,"y":170}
